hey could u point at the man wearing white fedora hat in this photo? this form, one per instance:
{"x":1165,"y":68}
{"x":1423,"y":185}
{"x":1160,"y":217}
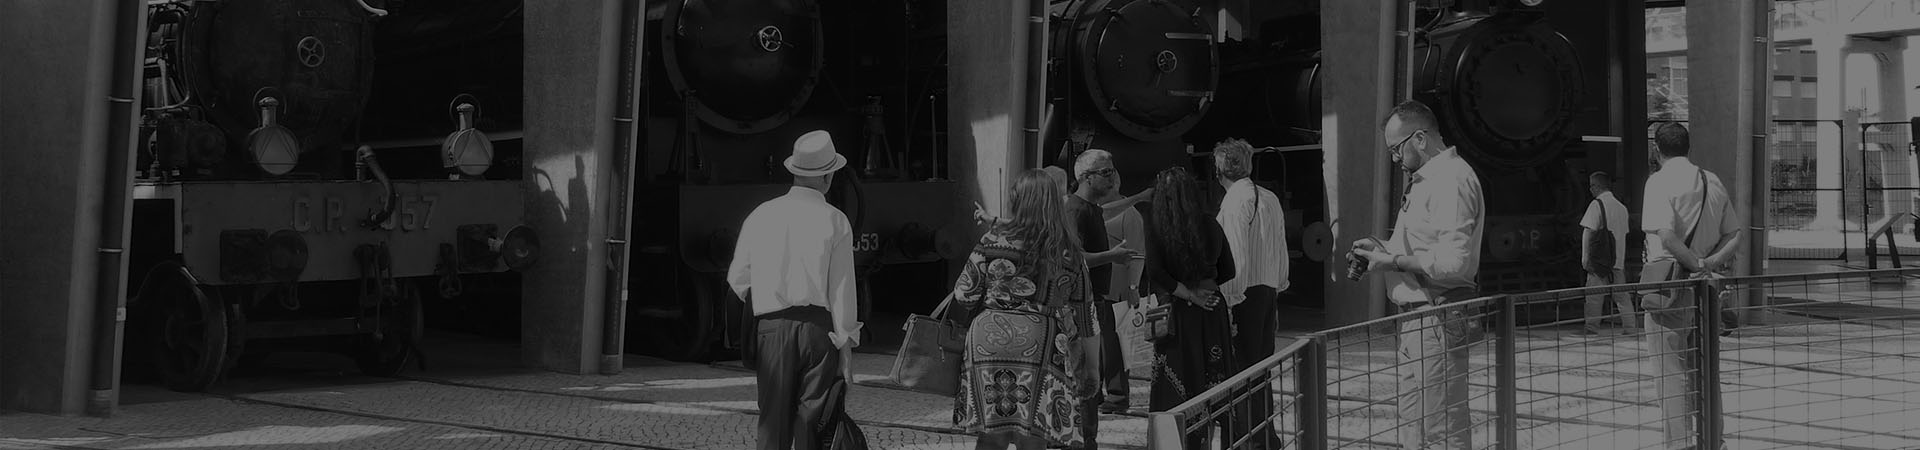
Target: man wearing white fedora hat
{"x":794,"y":266}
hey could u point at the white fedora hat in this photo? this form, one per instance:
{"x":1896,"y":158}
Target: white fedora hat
{"x":813,"y":155}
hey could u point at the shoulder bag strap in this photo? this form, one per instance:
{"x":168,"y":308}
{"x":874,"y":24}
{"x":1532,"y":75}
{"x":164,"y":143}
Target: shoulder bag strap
{"x":1702,"y":213}
{"x":1603,"y":214}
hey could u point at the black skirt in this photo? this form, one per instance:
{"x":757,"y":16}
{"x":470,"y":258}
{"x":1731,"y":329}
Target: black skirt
{"x":1196,"y":354}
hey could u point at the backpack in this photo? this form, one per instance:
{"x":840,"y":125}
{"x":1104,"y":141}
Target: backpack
{"x":1600,"y":248}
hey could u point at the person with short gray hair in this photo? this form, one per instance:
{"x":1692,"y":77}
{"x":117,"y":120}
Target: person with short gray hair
{"x":1126,"y":231}
{"x":1256,"y":231}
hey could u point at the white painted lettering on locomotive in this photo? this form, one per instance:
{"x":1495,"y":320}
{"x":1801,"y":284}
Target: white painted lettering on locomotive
{"x":302,"y":220}
{"x":867,"y":242}
{"x":334,"y":212}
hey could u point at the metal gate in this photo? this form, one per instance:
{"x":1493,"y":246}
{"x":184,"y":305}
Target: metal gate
{"x":1807,"y":215}
{"x":1889,"y":184}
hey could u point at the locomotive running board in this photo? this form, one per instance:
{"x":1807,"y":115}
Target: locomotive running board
{"x":306,"y":328}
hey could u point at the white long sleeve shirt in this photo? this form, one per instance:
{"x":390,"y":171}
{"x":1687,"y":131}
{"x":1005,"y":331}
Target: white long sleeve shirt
{"x":1440,"y":225}
{"x":1256,"y":230}
{"x":797,"y":250}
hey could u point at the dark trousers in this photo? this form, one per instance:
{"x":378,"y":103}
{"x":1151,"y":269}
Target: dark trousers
{"x":798,"y":363}
{"x":1254,"y":319}
{"x":1113,"y":369}
{"x":1090,"y":367}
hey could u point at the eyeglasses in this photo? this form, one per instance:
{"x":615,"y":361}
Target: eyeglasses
{"x":1101,"y":172}
{"x":1394,"y":149}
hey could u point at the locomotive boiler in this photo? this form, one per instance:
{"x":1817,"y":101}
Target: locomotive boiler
{"x":732,"y":83}
{"x":262,"y":217}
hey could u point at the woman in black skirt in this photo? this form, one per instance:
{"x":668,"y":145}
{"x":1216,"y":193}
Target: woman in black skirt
{"x":1187,"y":259}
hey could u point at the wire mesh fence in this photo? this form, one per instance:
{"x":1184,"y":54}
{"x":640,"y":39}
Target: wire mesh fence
{"x":1826,"y":360}
{"x":1426,"y":375}
{"x":1223,"y":416}
{"x":1600,"y":378}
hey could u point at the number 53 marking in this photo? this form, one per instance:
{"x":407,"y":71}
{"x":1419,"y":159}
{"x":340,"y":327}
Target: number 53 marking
{"x":868,"y":242}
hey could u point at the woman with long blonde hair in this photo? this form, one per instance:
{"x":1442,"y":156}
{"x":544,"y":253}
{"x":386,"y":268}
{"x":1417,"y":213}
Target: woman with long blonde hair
{"x":1015,"y":386}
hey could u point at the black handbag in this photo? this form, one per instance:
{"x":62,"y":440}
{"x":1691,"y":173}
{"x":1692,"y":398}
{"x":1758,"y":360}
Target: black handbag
{"x":1600,"y":246}
{"x":930,"y":356}
{"x":837,"y":430}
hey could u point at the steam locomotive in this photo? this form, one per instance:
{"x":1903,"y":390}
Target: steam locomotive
{"x":338,"y":173}
{"x":270,"y":213}
{"x":335,"y":174}
{"x":1154,"y":83}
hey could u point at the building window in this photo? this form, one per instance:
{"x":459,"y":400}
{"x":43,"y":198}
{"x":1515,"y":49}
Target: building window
{"x":1783,"y":88}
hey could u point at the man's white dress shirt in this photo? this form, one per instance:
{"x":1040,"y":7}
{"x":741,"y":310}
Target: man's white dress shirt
{"x":1441,"y":222}
{"x":1256,"y":230}
{"x":1672,"y":201}
{"x":797,"y":250}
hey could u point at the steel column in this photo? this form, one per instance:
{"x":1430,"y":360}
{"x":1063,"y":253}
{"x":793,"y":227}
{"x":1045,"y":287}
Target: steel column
{"x":1312,"y":383}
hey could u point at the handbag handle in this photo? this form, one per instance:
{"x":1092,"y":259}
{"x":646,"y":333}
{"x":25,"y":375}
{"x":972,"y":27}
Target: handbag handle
{"x":939,"y":312}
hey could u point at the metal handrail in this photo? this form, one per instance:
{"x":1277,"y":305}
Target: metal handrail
{"x":1169,"y":429}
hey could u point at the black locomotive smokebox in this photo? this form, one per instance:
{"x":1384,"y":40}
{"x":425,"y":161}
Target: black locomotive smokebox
{"x":1506,"y":87}
{"x":1147,"y":67}
{"x":747,"y":66}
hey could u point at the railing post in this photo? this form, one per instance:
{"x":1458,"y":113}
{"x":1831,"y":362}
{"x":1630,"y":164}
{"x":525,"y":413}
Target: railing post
{"x":1506,"y":377}
{"x":1709,"y":364}
{"x":1166,"y":430}
{"x":1312,"y":382}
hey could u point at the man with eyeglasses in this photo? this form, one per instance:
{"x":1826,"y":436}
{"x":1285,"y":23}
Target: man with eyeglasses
{"x":1101,"y":353}
{"x":1125,"y":230}
{"x":1431,"y":259}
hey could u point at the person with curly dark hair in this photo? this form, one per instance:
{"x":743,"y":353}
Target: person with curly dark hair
{"x":1187,"y":259}
{"x":1020,"y":383}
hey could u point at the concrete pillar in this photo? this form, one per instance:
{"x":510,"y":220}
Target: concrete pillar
{"x":1725,"y":96}
{"x":986,"y":72}
{"x":1829,"y":59}
{"x":570,"y":98}
{"x":1356,"y":91}
{"x":1909,"y":82}
{"x":54,"y":120}
{"x":1892,"y":58}
{"x":1880,"y":80}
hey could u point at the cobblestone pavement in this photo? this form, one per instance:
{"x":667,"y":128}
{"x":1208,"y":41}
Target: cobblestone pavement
{"x":314,"y":401}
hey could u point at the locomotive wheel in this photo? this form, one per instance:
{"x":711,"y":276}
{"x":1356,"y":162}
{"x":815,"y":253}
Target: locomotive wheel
{"x":191,"y":332}
{"x":387,"y":352}
{"x":689,"y":331}
{"x":700,"y":306}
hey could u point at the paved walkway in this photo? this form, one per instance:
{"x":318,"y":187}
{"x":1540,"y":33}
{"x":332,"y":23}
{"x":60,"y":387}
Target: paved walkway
{"x":317,"y":401}
{"x":471,"y":399}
